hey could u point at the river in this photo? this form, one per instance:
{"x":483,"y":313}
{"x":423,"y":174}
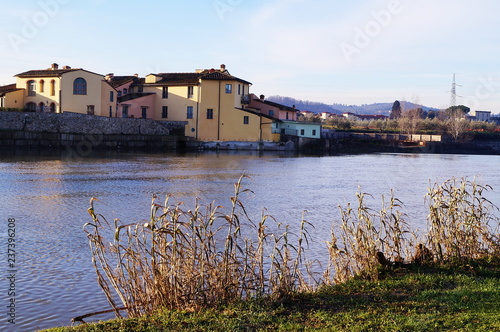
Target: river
{"x":48,"y":196}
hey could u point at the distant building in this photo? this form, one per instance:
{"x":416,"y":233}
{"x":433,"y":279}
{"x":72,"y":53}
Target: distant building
{"x":307,"y":114}
{"x":481,"y":116}
{"x":350,"y":116}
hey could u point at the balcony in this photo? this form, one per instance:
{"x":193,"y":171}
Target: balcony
{"x":245,"y":99}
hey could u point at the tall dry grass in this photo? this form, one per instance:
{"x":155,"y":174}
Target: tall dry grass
{"x":190,"y":259}
{"x":462,"y":222}
{"x":363,"y":232}
{"x":194,"y":258}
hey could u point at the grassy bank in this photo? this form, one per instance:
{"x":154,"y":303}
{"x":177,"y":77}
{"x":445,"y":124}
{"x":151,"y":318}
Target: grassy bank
{"x":195,"y":270}
{"x":464,"y":298}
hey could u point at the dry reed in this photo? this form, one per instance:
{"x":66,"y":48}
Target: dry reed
{"x":191,"y":259}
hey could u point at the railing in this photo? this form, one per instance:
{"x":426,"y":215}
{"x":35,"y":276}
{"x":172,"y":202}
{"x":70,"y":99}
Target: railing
{"x":245,"y":99}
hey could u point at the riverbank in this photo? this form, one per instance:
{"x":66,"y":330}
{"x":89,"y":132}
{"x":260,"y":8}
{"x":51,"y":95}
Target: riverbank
{"x":408,"y":299}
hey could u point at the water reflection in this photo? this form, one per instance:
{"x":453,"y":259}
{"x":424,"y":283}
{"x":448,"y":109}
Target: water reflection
{"x":49,"y":196}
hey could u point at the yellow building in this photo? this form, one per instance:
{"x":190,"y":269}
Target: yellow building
{"x":211,"y":102}
{"x":66,"y":90}
{"x":11,"y":96}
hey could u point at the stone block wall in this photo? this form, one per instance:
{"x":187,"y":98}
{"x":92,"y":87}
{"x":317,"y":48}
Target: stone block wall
{"x":79,"y":130}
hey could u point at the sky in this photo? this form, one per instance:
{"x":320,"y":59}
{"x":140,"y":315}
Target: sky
{"x":347,"y":52}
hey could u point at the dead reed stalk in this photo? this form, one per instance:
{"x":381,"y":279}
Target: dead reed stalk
{"x":189,"y":259}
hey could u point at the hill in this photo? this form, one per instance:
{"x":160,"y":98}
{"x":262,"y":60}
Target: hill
{"x":317,"y":107}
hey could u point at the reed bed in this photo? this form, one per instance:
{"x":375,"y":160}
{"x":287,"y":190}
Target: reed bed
{"x":191,"y":259}
{"x":362,"y":234}
{"x":463,"y":223}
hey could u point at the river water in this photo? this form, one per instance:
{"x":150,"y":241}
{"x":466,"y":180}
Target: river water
{"x":48,"y":197}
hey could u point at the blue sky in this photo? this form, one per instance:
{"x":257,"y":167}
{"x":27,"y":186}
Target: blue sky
{"x":331,"y":51}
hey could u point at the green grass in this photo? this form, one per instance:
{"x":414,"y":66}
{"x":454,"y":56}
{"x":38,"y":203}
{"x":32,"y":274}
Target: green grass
{"x":463,"y":299}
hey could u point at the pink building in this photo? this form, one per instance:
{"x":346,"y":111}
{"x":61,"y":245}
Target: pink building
{"x":131,"y":101}
{"x":275,"y":110}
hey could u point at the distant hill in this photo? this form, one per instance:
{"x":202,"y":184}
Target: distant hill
{"x":316,"y":107}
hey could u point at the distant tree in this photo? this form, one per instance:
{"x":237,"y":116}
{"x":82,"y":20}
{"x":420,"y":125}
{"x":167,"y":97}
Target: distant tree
{"x":396,"y":110}
{"x":432,"y":114}
{"x":411,"y":120}
{"x":456,"y":111}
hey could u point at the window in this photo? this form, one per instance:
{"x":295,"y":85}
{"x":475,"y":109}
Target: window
{"x":80,"y":86}
{"x":41,"y":107}
{"x":52,"y":108}
{"x":90,"y":109}
{"x":190,"y":91}
{"x":210,"y":113}
{"x":118,"y":94}
{"x":302,"y":132}
{"x":52,"y":88}
{"x":125,"y":91}
{"x":110,"y":111}
{"x":31,"y":88}
{"x":164,"y":112}
{"x":246,"y":119}
{"x":314,"y":132}
{"x":229,"y":88}
{"x":125,"y":111}
{"x":42,"y":83}
{"x":189,"y":112}
{"x":164,"y":92}
{"x":239,"y":89}
{"x":271,"y":112}
{"x":111,"y":96}
{"x":31,"y":107}
{"x":144,"y":112}
{"x":287,"y":115}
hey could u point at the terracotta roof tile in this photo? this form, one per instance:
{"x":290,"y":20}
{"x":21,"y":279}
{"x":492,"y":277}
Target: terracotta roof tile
{"x":8,"y":88}
{"x":117,"y":81}
{"x":45,"y":73}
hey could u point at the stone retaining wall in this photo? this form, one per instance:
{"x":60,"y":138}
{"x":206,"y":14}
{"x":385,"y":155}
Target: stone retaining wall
{"x":85,"y":131}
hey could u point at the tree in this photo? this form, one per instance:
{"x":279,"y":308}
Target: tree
{"x":456,"y":111}
{"x":396,"y":110}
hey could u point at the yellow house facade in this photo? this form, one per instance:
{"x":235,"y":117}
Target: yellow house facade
{"x":66,"y":90}
{"x":211,"y":102}
{"x":11,"y":96}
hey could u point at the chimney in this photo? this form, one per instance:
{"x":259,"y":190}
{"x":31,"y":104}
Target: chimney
{"x":223,"y":67}
{"x":66,"y":67}
{"x":55,"y":66}
{"x":109,"y":76}
{"x":136,"y":75}
{"x":262,"y":97}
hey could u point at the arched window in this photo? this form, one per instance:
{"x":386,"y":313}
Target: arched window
{"x":52,"y":108}
{"x":80,"y":86}
{"x":53,"y":88}
{"x":31,"y":85}
{"x":42,"y":83}
{"x":41,"y":107}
